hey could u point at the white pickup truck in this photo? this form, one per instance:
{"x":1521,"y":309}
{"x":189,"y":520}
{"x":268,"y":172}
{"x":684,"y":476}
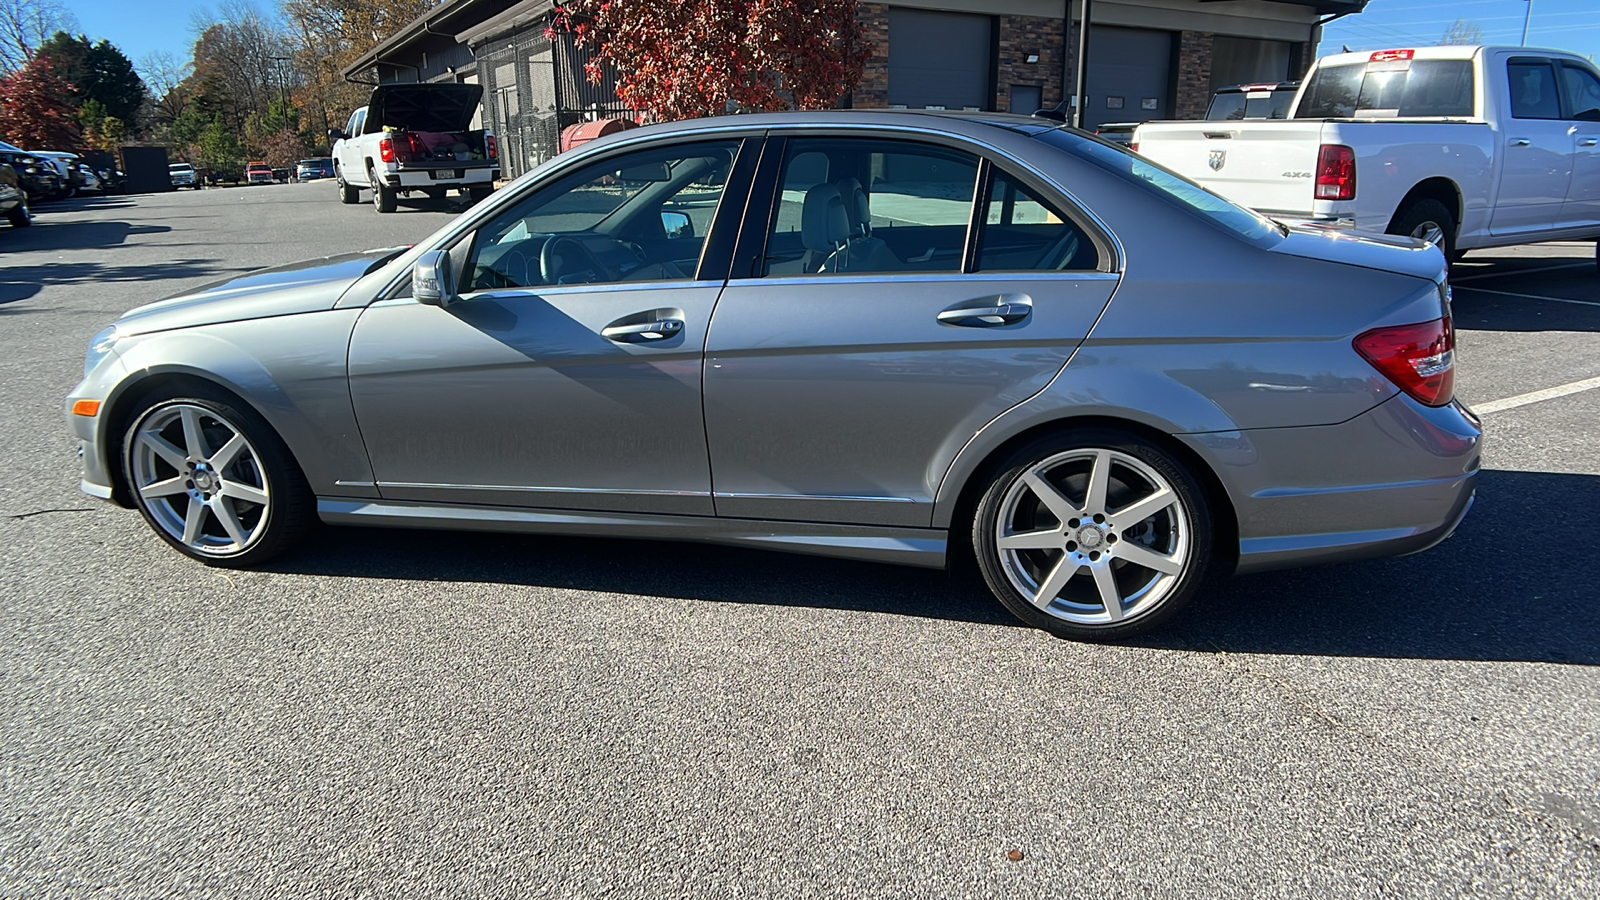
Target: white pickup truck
{"x":415,"y":137}
{"x":1464,"y":146}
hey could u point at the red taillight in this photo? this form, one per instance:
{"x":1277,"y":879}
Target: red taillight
{"x":386,"y":149}
{"x":1134,"y":146}
{"x":1419,"y":359}
{"x":1336,"y":173}
{"x":494,"y":149}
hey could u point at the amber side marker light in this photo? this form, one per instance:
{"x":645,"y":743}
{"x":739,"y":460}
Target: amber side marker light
{"x":86,"y":408}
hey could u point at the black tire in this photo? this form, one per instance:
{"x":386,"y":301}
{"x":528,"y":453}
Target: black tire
{"x":1418,"y":215}
{"x":287,"y":516}
{"x":479,"y":194}
{"x":20,"y":217}
{"x":1179,"y":534}
{"x":348,"y":193}
{"x":383,"y":196}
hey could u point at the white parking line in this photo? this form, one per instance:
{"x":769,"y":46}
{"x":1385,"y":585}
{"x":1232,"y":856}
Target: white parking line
{"x":1520,"y":272}
{"x":1531,"y":296}
{"x":1588,"y":384}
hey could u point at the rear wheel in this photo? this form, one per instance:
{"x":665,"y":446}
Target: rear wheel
{"x":1093,"y":535}
{"x":1430,"y":220}
{"x":383,"y":196}
{"x":20,"y":217}
{"x":214,"y":480}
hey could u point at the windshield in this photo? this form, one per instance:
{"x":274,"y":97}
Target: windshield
{"x":1169,"y":185}
{"x":1389,"y":89}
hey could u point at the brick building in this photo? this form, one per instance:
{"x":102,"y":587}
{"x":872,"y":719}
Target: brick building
{"x":1148,"y":59}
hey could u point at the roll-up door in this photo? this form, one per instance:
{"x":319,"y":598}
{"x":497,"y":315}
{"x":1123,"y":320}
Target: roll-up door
{"x":940,"y":59}
{"x":1129,"y":75}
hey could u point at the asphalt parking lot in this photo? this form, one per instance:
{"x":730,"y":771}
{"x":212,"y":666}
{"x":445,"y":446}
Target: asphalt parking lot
{"x":426,"y":714}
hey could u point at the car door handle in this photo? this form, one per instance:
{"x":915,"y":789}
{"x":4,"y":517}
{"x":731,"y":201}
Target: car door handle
{"x":1588,"y":142}
{"x":987,"y":312}
{"x":639,"y":332}
{"x":1518,"y":142}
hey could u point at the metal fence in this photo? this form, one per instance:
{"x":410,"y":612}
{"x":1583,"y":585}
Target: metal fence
{"x":534,"y":87}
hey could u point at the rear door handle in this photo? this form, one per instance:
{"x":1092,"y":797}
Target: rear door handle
{"x":640,"y":332}
{"x":987,"y":312}
{"x":1588,"y":142}
{"x":1518,"y":142}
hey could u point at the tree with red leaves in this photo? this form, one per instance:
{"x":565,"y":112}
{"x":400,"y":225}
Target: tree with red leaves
{"x":36,"y":108}
{"x":682,"y":59}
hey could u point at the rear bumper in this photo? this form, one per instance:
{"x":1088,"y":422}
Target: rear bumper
{"x":1397,"y":479}
{"x":482,"y":176}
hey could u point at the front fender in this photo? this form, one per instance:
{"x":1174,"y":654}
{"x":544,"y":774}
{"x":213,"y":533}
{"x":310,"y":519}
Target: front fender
{"x":296,"y":379}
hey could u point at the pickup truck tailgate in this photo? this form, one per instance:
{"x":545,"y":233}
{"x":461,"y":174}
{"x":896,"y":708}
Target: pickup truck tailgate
{"x":1268,"y":166}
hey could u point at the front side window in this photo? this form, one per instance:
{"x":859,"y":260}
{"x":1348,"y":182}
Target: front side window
{"x":640,"y":216}
{"x":868,"y":206}
{"x":1533,"y":89}
{"x":1583,"y":92}
{"x":1024,"y":233}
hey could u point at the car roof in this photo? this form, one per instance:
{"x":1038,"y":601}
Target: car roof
{"x":969,"y":122}
{"x":1448,"y":51}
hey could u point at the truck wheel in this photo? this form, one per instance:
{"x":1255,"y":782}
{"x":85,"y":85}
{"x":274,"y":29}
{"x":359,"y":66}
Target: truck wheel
{"x":1430,"y":220}
{"x":383,"y":198}
{"x":19,"y":217}
{"x":348,"y":193}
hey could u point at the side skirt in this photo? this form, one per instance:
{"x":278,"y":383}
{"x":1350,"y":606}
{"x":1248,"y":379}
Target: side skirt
{"x":924,"y":547}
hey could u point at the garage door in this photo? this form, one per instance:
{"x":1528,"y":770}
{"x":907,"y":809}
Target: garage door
{"x":939,"y":59}
{"x":1129,"y":75}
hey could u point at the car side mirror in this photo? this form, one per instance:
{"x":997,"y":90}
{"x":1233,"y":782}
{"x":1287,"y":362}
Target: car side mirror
{"x":335,"y":134}
{"x":676,"y":225}
{"x":432,"y":282}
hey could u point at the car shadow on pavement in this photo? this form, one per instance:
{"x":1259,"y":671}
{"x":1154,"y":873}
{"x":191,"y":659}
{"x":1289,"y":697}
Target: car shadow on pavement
{"x":1516,"y":582}
{"x":22,"y":282}
{"x":44,"y":234}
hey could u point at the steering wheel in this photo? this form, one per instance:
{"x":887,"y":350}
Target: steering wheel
{"x":558,"y":255}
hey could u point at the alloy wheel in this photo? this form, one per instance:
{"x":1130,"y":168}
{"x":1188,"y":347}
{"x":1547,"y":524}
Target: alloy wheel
{"x":199,"y":479}
{"x":1431,"y":232}
{"x":1093,"y":536}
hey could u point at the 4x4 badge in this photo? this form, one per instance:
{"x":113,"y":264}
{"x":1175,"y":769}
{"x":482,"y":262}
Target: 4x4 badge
{"x":1219,"y":158}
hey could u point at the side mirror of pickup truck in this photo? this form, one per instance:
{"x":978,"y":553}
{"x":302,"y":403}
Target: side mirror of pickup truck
{"x":432,"y":283}
{"x":335,"y":134}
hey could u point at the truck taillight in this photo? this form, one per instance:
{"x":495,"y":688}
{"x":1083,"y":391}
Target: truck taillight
{"x":1336,"y":173}
{"x":1419,"y":359}
{"x":386,"y":149}
{"x":1391,"y":55}
{"x":494,"y":149}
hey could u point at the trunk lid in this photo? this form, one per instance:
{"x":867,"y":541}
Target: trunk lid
{"x":423,"y":107}
{"x":1265,"y":166}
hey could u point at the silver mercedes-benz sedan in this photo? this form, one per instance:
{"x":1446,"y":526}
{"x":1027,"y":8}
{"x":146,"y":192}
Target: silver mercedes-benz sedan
{"x":893,"y":336}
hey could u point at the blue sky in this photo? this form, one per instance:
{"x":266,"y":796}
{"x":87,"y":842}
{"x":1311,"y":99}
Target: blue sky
{"x":140,"y":27}
{"x":1562,"y":24}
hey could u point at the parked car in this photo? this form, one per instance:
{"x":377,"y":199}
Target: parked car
{"x":1464,"y":146}
{"x":415,"y":137}
{"x":183,"y":175}
{"x":312,"y":169}
{"x":66,"y":167}
{"x":258,"y":173}
{"x":90,"y":179}
{"x":1251,"y":102}
{"x":783,"y":331}
{"x":13,"y":199}
{"x":1117,"y":132}
{"x":38,"y":180}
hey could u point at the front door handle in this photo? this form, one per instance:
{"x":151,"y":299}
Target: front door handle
{"x":1518,"y":142}
{"x":1588,"y":142}
{"x":987,"y":312}
{"x":639,"y":332}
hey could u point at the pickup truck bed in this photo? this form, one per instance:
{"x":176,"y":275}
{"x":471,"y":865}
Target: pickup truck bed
{"x":415,"y":137}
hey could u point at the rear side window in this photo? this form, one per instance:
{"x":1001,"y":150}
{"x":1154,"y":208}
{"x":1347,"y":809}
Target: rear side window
{"x":1023,"y":232}
{"x":1533,"y":89}
{"x":1392,"y":88}
{"x":1583,"y":92}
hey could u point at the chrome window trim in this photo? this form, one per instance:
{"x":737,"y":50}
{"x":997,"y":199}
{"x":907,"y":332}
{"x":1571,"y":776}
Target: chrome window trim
{"x":538,"y":489}
{"x":720,"y":495}
{"x":562,"y":290}
{"x":915,"y":278}
{"x":558,"y":165}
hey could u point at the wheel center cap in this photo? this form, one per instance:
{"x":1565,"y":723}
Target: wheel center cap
{"x":204,"y":481}
{"x":1090,"y":537}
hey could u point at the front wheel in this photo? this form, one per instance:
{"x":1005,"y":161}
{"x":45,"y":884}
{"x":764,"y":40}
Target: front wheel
{"x":214,"y":480}
{"x":1095,"y":535}
{"x":19,"y":216}
{"x":348,"y":193}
